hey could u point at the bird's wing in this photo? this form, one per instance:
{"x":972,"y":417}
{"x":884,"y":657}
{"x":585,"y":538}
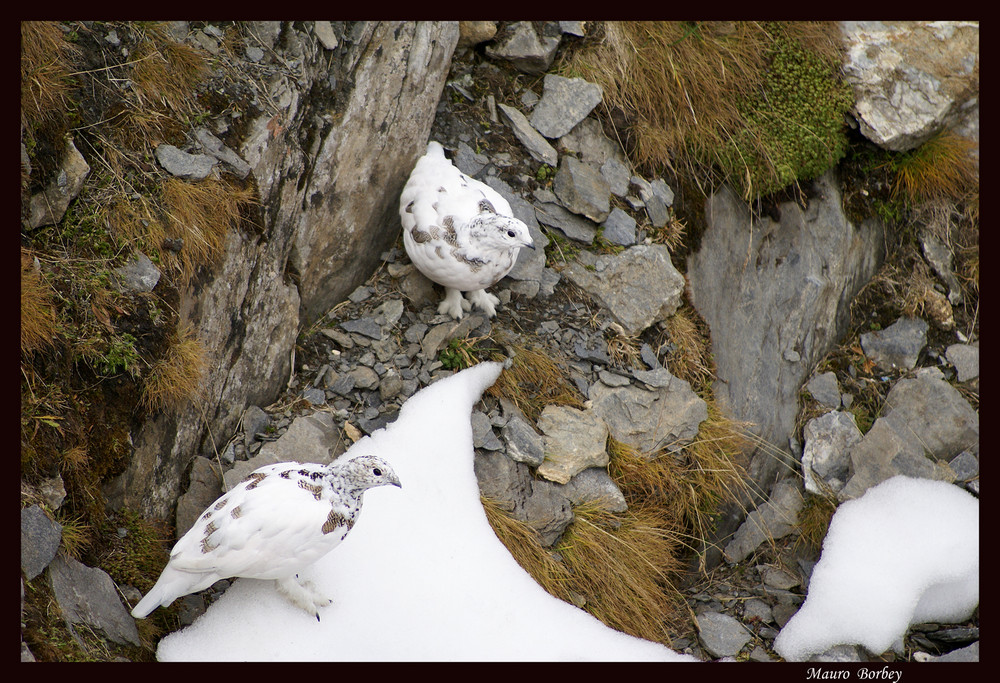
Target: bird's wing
{"x":265,"y":527}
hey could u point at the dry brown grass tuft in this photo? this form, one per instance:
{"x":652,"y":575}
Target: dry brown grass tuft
{"x":624,"y":567}
{"x":46,"y":64}
{"x":38,"y":321}
{"x":176,"y":377}
{"x":692,"y":92}
{"x":942,"y":168}
{"x":166,"y":73}
{"x":201,"y":214}
{"x":814,"y":520}
{"x":533,"y":381}
{"x":690,"y":355}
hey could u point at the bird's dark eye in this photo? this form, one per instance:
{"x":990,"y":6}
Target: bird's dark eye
{"x":377,"y":472}
{"x":510,"y":233}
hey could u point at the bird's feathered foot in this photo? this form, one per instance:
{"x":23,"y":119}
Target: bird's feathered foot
{"x":454,"y":304}
{"x":302,"y":594}
{"x":484,"y":301}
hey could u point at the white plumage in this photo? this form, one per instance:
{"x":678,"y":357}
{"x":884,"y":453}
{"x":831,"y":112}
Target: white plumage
{"x":458,"y":232}
{"x":276,"y":522}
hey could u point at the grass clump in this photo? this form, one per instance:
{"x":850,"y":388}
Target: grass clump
{"x":760,"y":101}
{"x":814,"y":520}
{"x":941,"y":169}
{"x":176,"y":376}
{"x":532,"y":381}
{"x":38,"y":323}
{"x":201,"y":214}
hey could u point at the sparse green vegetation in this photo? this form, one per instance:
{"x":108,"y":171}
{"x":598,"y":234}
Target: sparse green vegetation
{"x":761,"y":101}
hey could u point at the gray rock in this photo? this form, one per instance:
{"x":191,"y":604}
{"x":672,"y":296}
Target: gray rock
{"x":139,"y":274}
{"x":537,"y":146}
{"x":925,"y":423}
{"x":940,"y":257}
{"x":49,"y":206}
{"x":771,"y":520}
{"x":369,"y":327}
{"x":897,"y":346}
{"x":565,"y":102}
{"x":588,"y":141}
{"x":182,"y":164}
{"x":482,"y":432}
{"x":205,"y":487}
{"x":619,"y":228}
{"x":214,"y":147}
{"x":965,"y":465}
{"x":40,"y":538}
{"x":840,"y":653}
{"x":965,"y":358}
{"x":756,"y":609}
{"x":638,"y":287}
{"x":617,"y":175}
{"x":910,"y":78}
{"x":534,"y":501}
{"x":574,"y":440}
{"x":612,"y":379}
{"x":314,"y":396}
{"x":524,"y":49}
{"x":721,"y":635}
{"x":765,"y":288}
{"x":969,"y":653}
{"x":649,"y":357}
{"x":582,"y":189}
{"x":390,"y":312}
{"x":468,"y":161}
{"x":592,"y":349}
{"x":475,"y":32}
{"x":523,"y":443}
{"x":573,"y":226}
{"x":779,"y":578}
{"x":654,"y":379}
{"x":390,"y":386}
{"x":52,"y":491}
{"x":255,"y":421}
{"x":824,"y":389}
{"x":662,"y":191}
{"x":87,"y":595}
{"x":323,"y":31}
{"x":254,"y":54}
{"x":594,"y":485}
{"x":825,"y":458}
{"x":437,"y":336}
{"x":364,"y":377}
{"x":668,"y":417}
{"x":574,"y":28}
{"x":340,"y":384}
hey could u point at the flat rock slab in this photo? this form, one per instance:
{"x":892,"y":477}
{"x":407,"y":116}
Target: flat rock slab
{"x":647,"y":420}
{"x":574,"y":440}
{"x":565,"y":102}
{"x":639,"y":286}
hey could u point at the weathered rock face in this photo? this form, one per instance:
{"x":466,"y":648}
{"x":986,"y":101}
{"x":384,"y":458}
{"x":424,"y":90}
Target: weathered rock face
{"x":329,"y":165}
{"x":776,"y":298}
{"x":911,"y":78}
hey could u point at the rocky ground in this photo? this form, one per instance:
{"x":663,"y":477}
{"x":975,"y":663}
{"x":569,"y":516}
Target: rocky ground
{"x":357,"y":364}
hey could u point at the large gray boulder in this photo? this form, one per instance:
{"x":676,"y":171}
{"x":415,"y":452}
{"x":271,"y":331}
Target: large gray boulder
{"x":329,"y":156}
{"x":776,"y":296}
{"x":911,"y":79}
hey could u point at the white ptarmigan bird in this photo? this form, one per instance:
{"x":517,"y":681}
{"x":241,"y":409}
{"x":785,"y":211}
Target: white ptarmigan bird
{"x":458,"y":232}
{"x":276,"y":522}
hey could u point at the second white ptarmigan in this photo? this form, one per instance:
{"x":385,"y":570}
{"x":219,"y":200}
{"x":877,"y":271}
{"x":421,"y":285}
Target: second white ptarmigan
{"x":458,"y":232}
{"x":273,"y":524}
